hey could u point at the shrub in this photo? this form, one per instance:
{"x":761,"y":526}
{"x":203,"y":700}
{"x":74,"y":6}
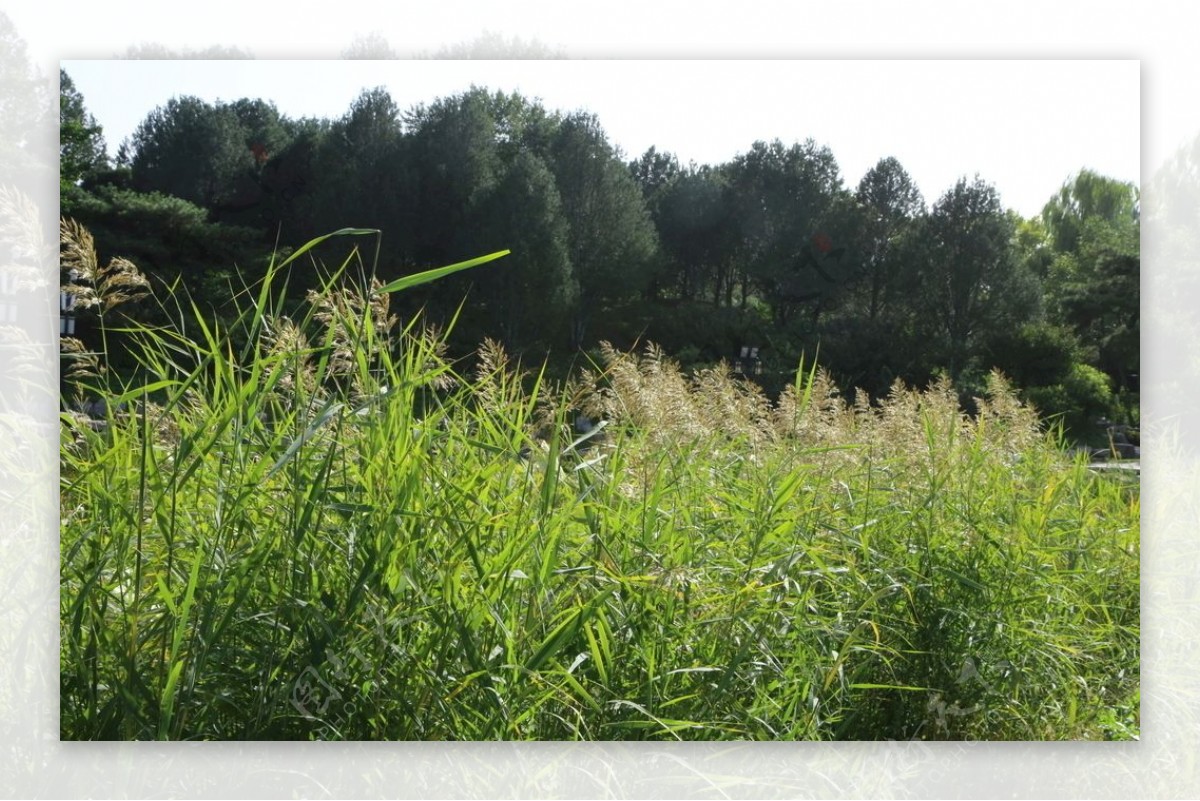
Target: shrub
{"x":1083,"y":396}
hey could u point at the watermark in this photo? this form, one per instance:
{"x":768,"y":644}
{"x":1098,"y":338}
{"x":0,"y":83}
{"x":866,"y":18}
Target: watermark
{"x":330,"y":691}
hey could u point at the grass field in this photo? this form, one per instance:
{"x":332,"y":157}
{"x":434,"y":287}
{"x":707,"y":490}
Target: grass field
{"x":316,"y":528}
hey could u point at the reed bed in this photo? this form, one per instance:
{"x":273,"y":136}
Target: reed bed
{"x":316,"y":527}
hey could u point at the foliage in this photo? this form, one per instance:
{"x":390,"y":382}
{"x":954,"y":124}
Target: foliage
{"x":493,"y":45}
{"x":890,"y":201}
{"x":524,"y":213}
{"x":1081,"y":397}
{"x":611,"y":238}
{"x":1093,"y":281}
{"x":1036,"y":354}
{"x":173,"y":242}
{"x":193,"y":150}
{"x":168,"y":235}
{"x":81,"y":149}
{"x":1086,"y":196}
{"x":24,"y":108}
{"x":692,"y":213}
{"x":1096,"y":291}
{"x":455,"y":143}
{"x":971,"y":286}
{"x":781,"y":198}
{"x":767,"y":248}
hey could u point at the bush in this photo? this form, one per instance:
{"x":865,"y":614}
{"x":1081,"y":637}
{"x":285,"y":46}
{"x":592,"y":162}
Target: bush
{"x":1084,"y":395}
{"x":1036,"y":354}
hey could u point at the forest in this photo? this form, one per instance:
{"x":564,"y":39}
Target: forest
{"x":756,"y":261}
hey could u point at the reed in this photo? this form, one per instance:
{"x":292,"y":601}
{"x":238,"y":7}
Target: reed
{"x":326,"y":532}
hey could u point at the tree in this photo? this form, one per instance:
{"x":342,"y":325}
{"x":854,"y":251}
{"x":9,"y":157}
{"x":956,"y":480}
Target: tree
{"x":865,"y":320}
{"x":692,"y":215}
{"x":1093,"y":227}
{"x":361,"y":172}
{"x":1096,"y":292}
{"x":456,"y":156}
{"x":492,"y":45}
{"x":519,"y":124}
{"x":154,"y":51}
{"x":971,"y":284}
{"x":168,"y":238}
{"x":781,"y":200}
{"x":528,"y":296}
{"x":192,"y":150}
{"x":654,"y":172}
{"x":294,"y":203}
{"x":1032,"y":243}
{"x":371,"y":46}
{"x":657,"y":174}
{"x":1087,"y":196}
{"x":264,"y":130}
{"x":889,"y":202}
{"x":23,"y":108}
{"x":81,"y":148}
{"x":611,"y":237}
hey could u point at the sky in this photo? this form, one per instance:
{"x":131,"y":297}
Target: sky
{"x":1024,"y":126}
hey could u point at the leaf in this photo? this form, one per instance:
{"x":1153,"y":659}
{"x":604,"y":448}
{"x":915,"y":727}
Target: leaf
{"x":138,"y":392}
{"x":313,"y":243}
{"x":565,"y":631}
{"x":331,"y":408}
{"x":409,"y":281}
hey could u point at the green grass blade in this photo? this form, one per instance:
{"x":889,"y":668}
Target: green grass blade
{"x":409,"y":281}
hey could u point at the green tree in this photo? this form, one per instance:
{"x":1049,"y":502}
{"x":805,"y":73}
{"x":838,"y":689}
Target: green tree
{"x":293,"y":203}
{"x":866,"y":320}
{"x":1089,"y":195}
{"x":455,"y":152}
{"x":971,"y":284}
{"x":360,"y":172}
{"x":1032,"y":244}
{"x":1094,"y":229}
{"x":654,"y":172}
{"x":170,"y":240}
{"x":612,"y":240}
{"x":527,"y":297}
{"x":24,"y":103}
{"x":165,"y":236}
{"x":520,"y":124}
{"x":81,"y":148}
{"x":370,"y":46}
{"x":1083,"y":395}
{"x":1096,"y":291}
{"x":693,"y":217}
{"x":889,"y":201}
{"x":493,"y":45}
{"x":781,"y":200}
{"x":191,"y":149}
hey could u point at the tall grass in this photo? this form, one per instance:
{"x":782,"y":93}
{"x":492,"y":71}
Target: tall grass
{"x":326,"y":531}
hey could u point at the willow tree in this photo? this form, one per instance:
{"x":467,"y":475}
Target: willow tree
{"x":1094,"y":228}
